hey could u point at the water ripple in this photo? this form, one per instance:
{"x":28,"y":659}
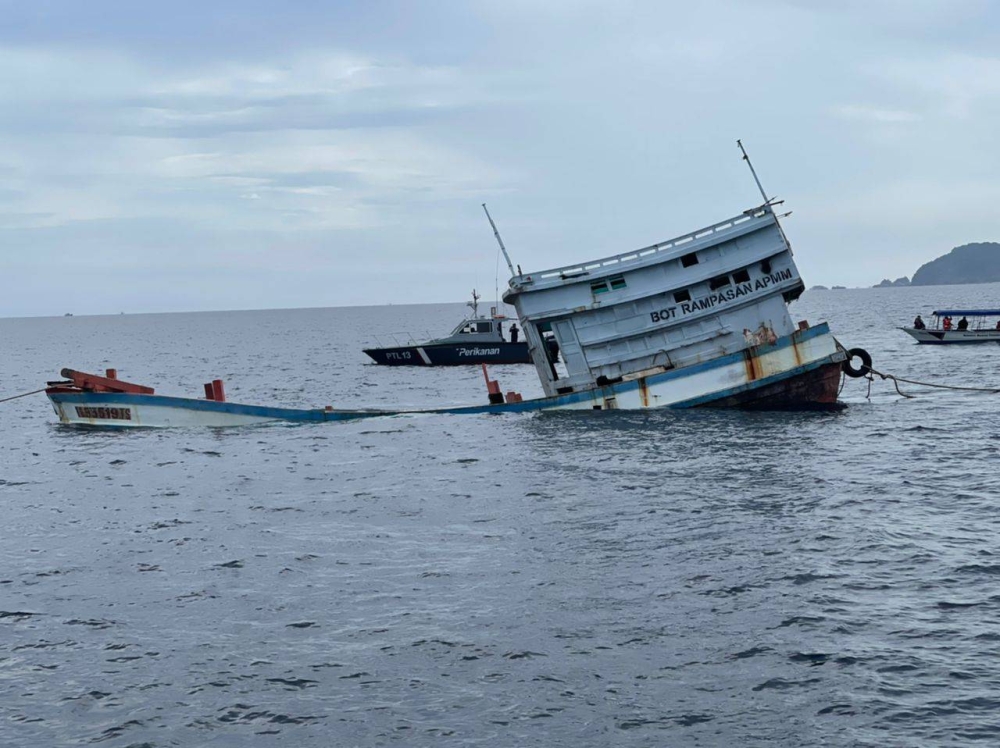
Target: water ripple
{"x":628,"y":579}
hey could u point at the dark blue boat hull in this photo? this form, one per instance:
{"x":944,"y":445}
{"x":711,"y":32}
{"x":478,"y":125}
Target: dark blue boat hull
{"x":451,"y":354}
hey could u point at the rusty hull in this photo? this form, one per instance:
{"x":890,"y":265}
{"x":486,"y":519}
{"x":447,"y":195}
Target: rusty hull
{"x":812,"y":390}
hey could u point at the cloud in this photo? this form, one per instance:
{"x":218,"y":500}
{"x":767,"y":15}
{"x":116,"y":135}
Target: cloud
{"x":299,"y":74}
{"x":361,"y":138}
{"x":308,"y":90}
{"x":960,"y":86}
{"x":913,"y":205}
{"x":878,"y":115}
{"x":204,"y":147}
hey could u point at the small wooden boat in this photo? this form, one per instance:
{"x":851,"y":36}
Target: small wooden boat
{"x":984,"y":327}
{"x":84,"y":399}
{"x":478,"y":339}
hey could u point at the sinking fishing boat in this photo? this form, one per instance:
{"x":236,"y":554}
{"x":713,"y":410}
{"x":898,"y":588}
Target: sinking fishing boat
{"x":948,"y":327}
{"x":700,"y":320}
{"x":83,"y":399}
{"x":478,"y":339}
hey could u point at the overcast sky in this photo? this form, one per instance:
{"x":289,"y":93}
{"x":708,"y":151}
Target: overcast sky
{"x":233,"y":155}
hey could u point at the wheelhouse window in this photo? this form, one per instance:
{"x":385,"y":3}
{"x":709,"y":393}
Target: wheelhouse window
{"x":691,"y":258}
{"x":599,"y":287}
{"x":614,"y":283}
{"x":741,"y":276}
{"x":718,"y":282}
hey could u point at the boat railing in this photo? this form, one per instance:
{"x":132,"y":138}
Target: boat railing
{"x":407,"y":337}
{"x":570,"y":271}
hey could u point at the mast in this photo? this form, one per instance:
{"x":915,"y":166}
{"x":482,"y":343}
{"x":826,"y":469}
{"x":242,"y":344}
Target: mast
{"x":747,"y":159}
{"x":767,"y":200}
{"x":503,"y":249}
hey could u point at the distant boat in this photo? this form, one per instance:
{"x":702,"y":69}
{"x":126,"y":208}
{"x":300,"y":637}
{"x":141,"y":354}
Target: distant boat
{"x":478,"y":339}
{"x":983,"y":330}
{"x":67,"y":315}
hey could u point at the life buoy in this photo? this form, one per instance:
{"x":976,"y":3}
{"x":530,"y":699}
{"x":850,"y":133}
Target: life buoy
{"x":866,"y":363}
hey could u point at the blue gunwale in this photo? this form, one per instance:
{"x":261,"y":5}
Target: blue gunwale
{"x":958,"y":342}
{"x":321,"y":415}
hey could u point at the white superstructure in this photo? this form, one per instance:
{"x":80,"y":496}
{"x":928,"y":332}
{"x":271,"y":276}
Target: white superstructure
{"x":703,"y":295}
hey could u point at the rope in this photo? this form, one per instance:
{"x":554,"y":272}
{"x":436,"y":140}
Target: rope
{"x":896,"y":380}
{"x":23,"y":394}
{"x":870,"y":376}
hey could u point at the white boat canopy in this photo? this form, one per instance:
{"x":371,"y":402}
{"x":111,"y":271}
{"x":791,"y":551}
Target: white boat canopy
{"x":967,"y":313}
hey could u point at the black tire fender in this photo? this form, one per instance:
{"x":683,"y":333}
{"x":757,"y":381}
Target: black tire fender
{"x":866,"y":363}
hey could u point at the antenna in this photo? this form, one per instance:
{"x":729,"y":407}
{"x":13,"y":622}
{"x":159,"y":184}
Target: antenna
{"x":503,"y":249}
{"x":747,"y":159}
{"x":474,"y":304}
{"x":767,"y":200}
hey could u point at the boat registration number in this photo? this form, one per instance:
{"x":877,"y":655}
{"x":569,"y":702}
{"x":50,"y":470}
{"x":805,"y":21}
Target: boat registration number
{"x":117,"y":414}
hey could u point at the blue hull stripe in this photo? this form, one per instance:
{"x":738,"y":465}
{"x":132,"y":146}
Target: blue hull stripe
{"x":123,"y":398}
{"x":595,"y":395}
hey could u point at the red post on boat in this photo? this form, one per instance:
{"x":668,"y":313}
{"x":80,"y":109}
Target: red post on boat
{"x":95,"y":383}
{"x":493,"y":388}
{"x":111,"y":373}
{"x":215,"y":391}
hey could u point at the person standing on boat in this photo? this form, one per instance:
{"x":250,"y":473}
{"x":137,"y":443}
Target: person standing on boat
{"x":963,"y":324}
{"x":513,"y":333}
{"x":946,"y":323}
{"x":918,"y":324}
{"x":552,"y":347}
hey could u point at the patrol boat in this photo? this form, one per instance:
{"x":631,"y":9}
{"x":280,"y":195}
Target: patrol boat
{"x":478,"y":339}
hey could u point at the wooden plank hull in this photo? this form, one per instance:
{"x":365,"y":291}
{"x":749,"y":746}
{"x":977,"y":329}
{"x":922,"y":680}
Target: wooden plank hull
{"x":815,"y":389}
{"x":124,"y":410}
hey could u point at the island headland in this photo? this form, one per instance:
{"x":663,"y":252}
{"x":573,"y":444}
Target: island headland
{"x":978,"y":262}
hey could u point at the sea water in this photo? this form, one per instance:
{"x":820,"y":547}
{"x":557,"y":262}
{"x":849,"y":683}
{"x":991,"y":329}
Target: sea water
{"x":701,"y":578}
